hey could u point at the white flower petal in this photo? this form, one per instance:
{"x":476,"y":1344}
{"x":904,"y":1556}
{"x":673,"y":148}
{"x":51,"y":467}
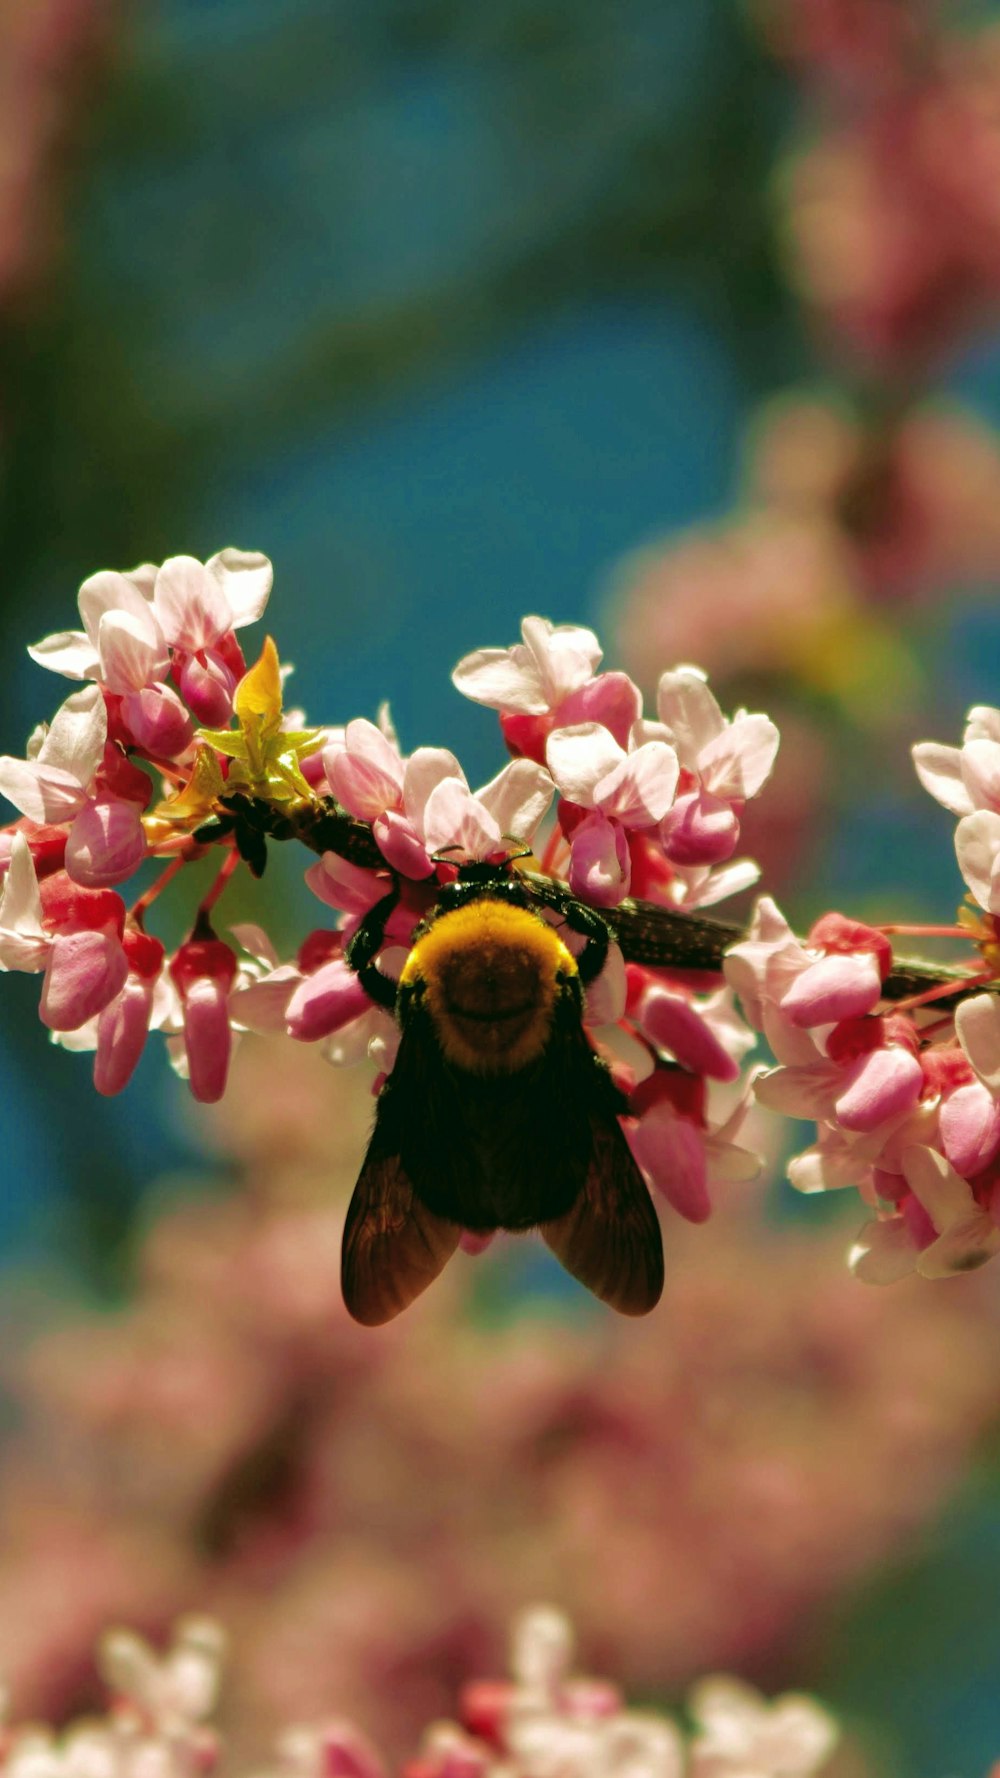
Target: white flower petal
{"x":977,"y":1025}
{"x":502,"y":679}
{"x":977,"y":848}
{"x":245,"y":578}
{"x":579,"y":757}
{"x":518,"y":798}
{"x":690,"y":711}
{"x":940,"y":772}
{"x":75,"y":741}
{"x":883,"y":1252}
{"x":69,"y":652}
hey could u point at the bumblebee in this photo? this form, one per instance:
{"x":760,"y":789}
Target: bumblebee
{"x":498,"y":1113}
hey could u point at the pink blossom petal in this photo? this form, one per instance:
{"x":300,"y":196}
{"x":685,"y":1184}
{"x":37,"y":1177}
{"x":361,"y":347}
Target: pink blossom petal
{"x":503,"y":679}
{"x":940,"y":772}
{"x":325,"y":1001}
{"x":689,"y":710}
{"x":977,"y":1024}
{"x":401,"y":846}
{"x":518,"y":798}
{"x":110,"y":591}
{"x":261,"y":1006}
{"x":132,"y":650}
{"x":69,"y":652}
{"x":157,"y":721}
{"x":699,"y":829}
{"x":85,"y":971}
{"x":970,"y":1128}
{"x":884,"y":1252}
{"x":640,"y":787}
{"x":611,"y":699}
{"x":106,"y":843}
{"x":366,"y":775}
{"x":24,"y":943}
{"x":208,"y":1037}
{"x":207,"y":684}
{"x":455,"y":820}
{"x":717,"y":885}
{"x":600,"y":865}
{"x":425,"y":769}
{"x":345,"y":886}
{"x":676,"y":1025}
{"x":190,"y":605}
{"x":579,"y":757}
{"x":838,"y":986}
{"x":564,"y":654}
{"x":981,"y":772}
{"x":76,"y":737}
{"x":881,"y":1086}
{"x":977,"y":847}
{"x":43,"y":793}
{"x":946,"y":1197}
{"x":122,"y":1029}
{"x":739,"y":761}
{"x":671,"y":1152}
{"x":983,"y":724}
{"x":245,"y":578}
{"x":803,"y":1091}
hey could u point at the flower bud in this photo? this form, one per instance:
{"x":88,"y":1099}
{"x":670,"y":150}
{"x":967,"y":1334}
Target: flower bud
{"x":203,"y":972}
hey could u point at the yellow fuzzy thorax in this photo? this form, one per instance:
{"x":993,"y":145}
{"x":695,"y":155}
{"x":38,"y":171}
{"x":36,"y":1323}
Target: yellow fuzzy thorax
{"x":490,"y":974}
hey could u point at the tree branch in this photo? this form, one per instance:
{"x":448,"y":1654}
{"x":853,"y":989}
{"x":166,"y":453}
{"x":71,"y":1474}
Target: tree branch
{"x":660,"y":937}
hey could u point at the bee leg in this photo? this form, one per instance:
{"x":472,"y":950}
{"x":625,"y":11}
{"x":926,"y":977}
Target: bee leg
{"x":598,"y":935}
{"x":362,"y":950}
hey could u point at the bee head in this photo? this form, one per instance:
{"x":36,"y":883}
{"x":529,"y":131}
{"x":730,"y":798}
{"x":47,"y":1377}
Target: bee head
{"x":489,"y":974}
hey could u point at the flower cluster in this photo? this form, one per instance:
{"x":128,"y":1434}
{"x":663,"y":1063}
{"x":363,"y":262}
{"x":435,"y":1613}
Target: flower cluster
{"x":647,"y":805}
{"x":907,"y":1099}
{"x":539,"y":1722}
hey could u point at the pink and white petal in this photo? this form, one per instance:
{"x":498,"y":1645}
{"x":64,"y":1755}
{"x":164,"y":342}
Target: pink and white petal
{"x":884,"y":1252}
{"x":455,"y":820}
{"x":613,"y":700}
{"x":518,"y":798}
{"x":190,"y":605}
{"x":981,"y":772}
{"x":600,"y":866}
{"x":157,"y":721}
{"x":799,"y":1092}
{"x":793,"y":1047}
{"x":503,"y":679}
{"x":689,"y":710}
{"x":132,"y":651}
{"x":675,"y":1024}
{"x":739,"y":761}
{"x":69,"y":652}
{"x":325,"y":1001}
{"x":969,"y":1122}
{"x":838,"y":986}
{"x":977,"y":1026}
{"x":208,"y":1038}
{"x":76,"y":736}
{"x":939,"y":769}
{"x":828,"y":1165}
{"x":109,"y":591}
{"x":565,"y":655}
{"x":605,"y":997}
{"x":621,"y":1050}
{"x":106,"y":843}
{"x":84,"y":972}
{"x":962,"y":1248}
{"x":24,"y":943}
{"x":122,"y":1029}
{"x":257,"y":943}
{"x":43,"y":793}
{"x":719,"y":1013}
{"x":703,"y":889}
{"x":366,"y":775}
{"x":261,"y":1005}
{"x":345,"y":886}
{"x":425,"y":769}
{"x":639,"y":788}
{"x":699,"y":829}
{"x":982,"y":724}
{"x":878,"y":1089}
{"x":245,"y":577}
{"x":579,"y":757}
{"x":401,"y":846}
{"x":977,"y":848}
{"x":944,"y":1194}
{"x":671,"y":1152}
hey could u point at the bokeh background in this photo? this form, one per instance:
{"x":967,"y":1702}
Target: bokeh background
{"x":679,"y":317}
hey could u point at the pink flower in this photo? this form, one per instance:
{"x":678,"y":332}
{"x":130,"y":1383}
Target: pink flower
{"x":123,"y":1025}
{"x":625,"y":789}
{"x":536,"y":675}
{"x":204,"y":972}
{"x":723,"y":761}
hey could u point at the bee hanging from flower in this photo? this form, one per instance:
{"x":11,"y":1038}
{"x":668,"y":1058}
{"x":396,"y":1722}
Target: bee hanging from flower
{"x":498,"y":1113}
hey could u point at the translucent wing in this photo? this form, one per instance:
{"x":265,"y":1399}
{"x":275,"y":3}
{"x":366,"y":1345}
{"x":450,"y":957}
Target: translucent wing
{"x":610,"y":1239}
{"x":393,"y":1245}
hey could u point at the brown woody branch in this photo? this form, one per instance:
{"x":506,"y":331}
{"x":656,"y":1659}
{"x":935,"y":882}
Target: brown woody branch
{"x":660,"y":937}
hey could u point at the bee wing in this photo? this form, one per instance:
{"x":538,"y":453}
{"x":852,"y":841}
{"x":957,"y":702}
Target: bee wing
{"x":610,"y":1239}
{"x":393,"y":1245}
